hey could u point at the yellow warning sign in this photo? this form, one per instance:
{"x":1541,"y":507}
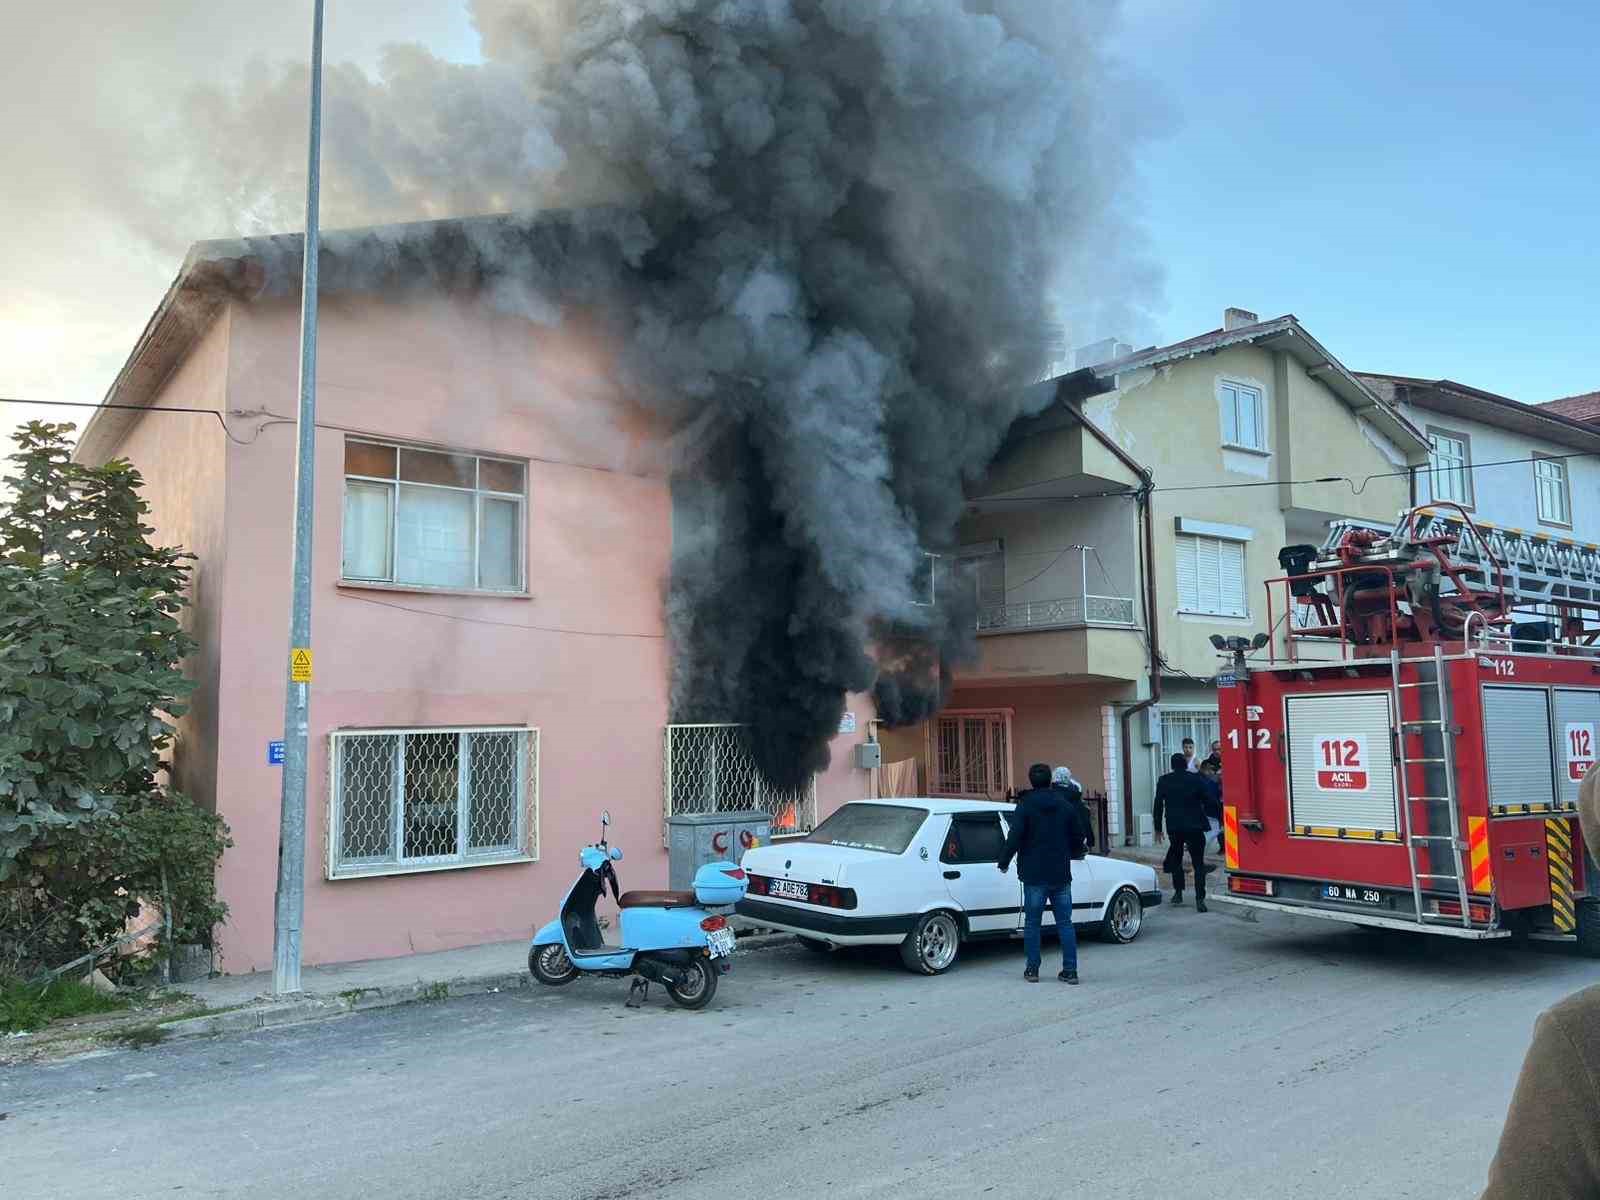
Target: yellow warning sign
{"x":300,"y":665}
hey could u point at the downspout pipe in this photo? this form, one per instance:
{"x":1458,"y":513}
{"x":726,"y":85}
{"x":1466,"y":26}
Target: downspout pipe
{"x":1147,"y":573}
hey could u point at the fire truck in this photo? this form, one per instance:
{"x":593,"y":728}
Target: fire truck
{"x":1403,"y":747}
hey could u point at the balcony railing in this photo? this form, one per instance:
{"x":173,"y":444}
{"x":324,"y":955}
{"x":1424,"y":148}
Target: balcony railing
{"x":1064,"y":613}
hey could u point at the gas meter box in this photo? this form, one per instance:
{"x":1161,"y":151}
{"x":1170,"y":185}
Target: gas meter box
{"x":695,"y":839}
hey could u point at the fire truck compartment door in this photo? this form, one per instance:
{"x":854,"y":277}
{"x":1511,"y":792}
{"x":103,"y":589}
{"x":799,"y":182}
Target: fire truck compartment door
{"x":1516,"y":744}
{"x":1341,"y":761}
{"x":1577,"y":732}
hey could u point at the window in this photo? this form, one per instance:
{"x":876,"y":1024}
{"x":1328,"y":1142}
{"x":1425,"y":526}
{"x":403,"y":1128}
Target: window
{"x":974,"y":839}
{"x":887,"y":828}
{"x":420,"y":799}
{"x":1243,"y":418}
{"x":1200,"y":724}
{"x":1550,"y":488}
{"x":1449,"y":466}
{"x":971,"y":757}
{"x":925,"y":581}
{"x":1210,"y":576}
{"x":429,"y":519}
{"x":983,"y":573}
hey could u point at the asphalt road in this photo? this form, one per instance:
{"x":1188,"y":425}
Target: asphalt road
{"x":1212,"y":1057}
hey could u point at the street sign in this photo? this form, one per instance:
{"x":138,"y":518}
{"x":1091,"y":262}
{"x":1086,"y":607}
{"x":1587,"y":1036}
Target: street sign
{"x":275,"y":754}
{"x":300,"y":665}
{"x":1226,"y":679}
{"x":847,"y":723}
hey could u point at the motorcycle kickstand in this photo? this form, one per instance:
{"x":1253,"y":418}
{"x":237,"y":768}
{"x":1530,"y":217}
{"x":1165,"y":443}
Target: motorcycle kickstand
{"x":638,"y":993}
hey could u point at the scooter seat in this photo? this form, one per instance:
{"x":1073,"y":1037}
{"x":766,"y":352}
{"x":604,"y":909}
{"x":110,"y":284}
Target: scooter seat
{"x":656,"y":900}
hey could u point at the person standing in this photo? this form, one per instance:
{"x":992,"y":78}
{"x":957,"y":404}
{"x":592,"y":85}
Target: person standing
{"x":1043,"y":841}
{"x":1211,"y":779}
{"x":1550,"y":1146}
{"x":1181,"y":800}
{"x":1061,"y":779}
{"x":1190,"y":762}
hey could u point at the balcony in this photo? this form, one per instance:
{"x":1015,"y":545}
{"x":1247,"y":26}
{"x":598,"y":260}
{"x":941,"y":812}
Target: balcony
{"x":1067,"y":612}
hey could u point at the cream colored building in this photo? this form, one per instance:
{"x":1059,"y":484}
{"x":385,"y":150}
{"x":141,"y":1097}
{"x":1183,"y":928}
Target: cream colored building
{"x":1250,"y":438}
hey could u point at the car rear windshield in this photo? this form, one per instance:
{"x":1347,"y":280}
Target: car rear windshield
{"x":888,"y":828}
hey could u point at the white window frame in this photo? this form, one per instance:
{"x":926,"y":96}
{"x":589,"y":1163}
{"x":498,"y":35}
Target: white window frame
{"x":1439,"y":465}
{"x":1229,"y":394}
{"x":478,"y":493}
{"x":1557,"y":487}
{"x":525,"y":846}
{"x":1194,"y":605}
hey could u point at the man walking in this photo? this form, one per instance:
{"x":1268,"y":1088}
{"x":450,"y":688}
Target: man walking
{"x":1181,"y":799}
{"x":1044,"y":840}
{"x":1062,"y":781}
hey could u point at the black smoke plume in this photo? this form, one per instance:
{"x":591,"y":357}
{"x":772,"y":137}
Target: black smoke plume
{"x":834,"y":238}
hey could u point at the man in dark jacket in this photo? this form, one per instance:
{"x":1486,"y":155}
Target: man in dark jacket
{"x":1044,"y":837}
{"x":1061,"y":779}
{"x":1181,"y":799}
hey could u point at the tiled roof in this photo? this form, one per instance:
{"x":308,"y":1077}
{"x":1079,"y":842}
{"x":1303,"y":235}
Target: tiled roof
{"x":1583,"y":407}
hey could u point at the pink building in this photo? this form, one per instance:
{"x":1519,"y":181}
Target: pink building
{"x":493,"y":537}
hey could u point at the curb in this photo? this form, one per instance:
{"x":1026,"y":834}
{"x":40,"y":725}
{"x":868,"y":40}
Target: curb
{"x":279,"y":1013}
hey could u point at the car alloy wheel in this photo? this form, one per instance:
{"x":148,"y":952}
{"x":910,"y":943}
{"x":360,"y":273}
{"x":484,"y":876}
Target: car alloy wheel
{"x":1124,"y":916}
{"x":931,"y":946}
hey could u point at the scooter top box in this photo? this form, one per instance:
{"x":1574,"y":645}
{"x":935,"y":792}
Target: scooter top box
{"x":719,"y":883}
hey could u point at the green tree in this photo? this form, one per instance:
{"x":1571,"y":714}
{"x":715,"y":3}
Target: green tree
{"x":90,"y":643}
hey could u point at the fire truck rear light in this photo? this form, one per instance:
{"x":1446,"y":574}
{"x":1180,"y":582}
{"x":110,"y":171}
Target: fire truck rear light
{"x":1452,"y":908}
{"x":1248,"y":886}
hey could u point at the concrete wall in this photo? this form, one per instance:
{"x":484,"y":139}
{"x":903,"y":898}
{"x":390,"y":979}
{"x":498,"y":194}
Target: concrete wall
{"x":583,"y":658}
{"x":1038,"y":565}
{"x":181,"y":456}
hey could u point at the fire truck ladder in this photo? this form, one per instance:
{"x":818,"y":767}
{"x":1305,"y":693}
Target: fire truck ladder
{"x":1439,"y":814}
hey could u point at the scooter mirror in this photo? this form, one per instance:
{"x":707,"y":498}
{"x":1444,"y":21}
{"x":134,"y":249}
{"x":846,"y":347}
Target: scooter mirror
{"x":605,"y":816}
{"x":616,"y":854}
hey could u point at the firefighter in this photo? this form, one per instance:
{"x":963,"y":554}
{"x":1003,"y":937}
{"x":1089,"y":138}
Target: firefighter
{"x":1550,"y":1146}
{"x":1181,"y":799}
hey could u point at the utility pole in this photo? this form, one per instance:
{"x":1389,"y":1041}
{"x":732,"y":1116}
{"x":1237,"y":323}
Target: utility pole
{"x":290,"y":907}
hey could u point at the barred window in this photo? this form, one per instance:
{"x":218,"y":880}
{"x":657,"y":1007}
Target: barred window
{"x":428,"y":799}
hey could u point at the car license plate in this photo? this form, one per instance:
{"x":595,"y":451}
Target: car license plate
{"x":721,"y":942}
{"x":787,"y":889}
{"x":1351,"y":895}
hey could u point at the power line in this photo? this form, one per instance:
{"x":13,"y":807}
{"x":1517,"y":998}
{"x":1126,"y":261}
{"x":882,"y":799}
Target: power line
{"x":210,"y":412}
{"x":427,"y":612}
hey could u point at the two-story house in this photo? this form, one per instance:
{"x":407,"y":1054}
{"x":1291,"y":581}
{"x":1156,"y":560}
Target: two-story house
{"x":493,"y":529}
{"x":1255,"y":437}
{"x":1530,"y":474}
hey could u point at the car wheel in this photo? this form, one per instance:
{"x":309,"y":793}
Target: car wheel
{"x":549,"y":964}
{"x":931,"y":946}
{"x":1124,"y":916}
{"x":814,"y":945}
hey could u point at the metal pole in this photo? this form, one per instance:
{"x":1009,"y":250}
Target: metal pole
{"x":290,"y":905}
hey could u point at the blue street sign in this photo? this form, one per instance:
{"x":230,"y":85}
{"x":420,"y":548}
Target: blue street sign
{"x":1226,"y":679}
{"x":275,"y":754}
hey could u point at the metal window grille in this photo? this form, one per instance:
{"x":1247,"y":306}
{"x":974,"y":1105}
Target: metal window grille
{"x":709,"y":768}
{"x":971,"y":756}
{"x":1176,"y":724}
{"x":430,"y":799}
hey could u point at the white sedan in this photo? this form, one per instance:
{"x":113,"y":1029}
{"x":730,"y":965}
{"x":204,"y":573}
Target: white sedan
{"x":922,"y":874}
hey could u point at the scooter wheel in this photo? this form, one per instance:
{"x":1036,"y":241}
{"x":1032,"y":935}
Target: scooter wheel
{"x":699,"y":985}
{"x":549,"y":964}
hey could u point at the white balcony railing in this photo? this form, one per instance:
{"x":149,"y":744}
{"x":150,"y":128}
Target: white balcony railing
{"x":1063,"y":613}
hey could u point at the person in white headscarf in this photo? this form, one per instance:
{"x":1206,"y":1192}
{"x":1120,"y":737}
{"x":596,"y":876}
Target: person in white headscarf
{"x":1062,"y":781}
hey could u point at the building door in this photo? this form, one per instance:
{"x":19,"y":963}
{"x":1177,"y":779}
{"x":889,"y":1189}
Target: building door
{"x":971,"y":755}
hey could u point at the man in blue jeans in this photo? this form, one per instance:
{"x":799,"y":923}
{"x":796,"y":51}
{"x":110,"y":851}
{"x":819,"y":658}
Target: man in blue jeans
{"x":1046,"y":834}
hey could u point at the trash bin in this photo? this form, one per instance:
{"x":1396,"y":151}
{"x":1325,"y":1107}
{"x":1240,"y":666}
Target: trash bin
{"x":694,"y":839}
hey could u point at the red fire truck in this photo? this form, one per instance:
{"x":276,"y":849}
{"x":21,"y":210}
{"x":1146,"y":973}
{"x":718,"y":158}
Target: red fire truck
{"x":1403,"y":747}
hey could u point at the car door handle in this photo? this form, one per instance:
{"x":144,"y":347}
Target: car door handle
{"x":952,"y":874}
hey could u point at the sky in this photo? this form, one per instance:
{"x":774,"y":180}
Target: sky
{"x":1416,"y":181}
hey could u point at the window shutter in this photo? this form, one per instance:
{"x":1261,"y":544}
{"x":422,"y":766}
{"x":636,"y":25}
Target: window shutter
{"x":1188,"y":590}
{"x":1207,"y":584}
{"x":1230,"y":578}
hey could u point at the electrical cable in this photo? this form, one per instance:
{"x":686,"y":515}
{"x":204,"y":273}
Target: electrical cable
{"x":211,"y":412}
{"x":426,"y":612}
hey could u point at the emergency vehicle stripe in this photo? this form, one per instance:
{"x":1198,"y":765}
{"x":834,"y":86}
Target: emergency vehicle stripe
{"x":1478,"y":852}
{"x":1230,"y":836}
{"x":1332,"y":831}
{"x":1558,"y":850}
